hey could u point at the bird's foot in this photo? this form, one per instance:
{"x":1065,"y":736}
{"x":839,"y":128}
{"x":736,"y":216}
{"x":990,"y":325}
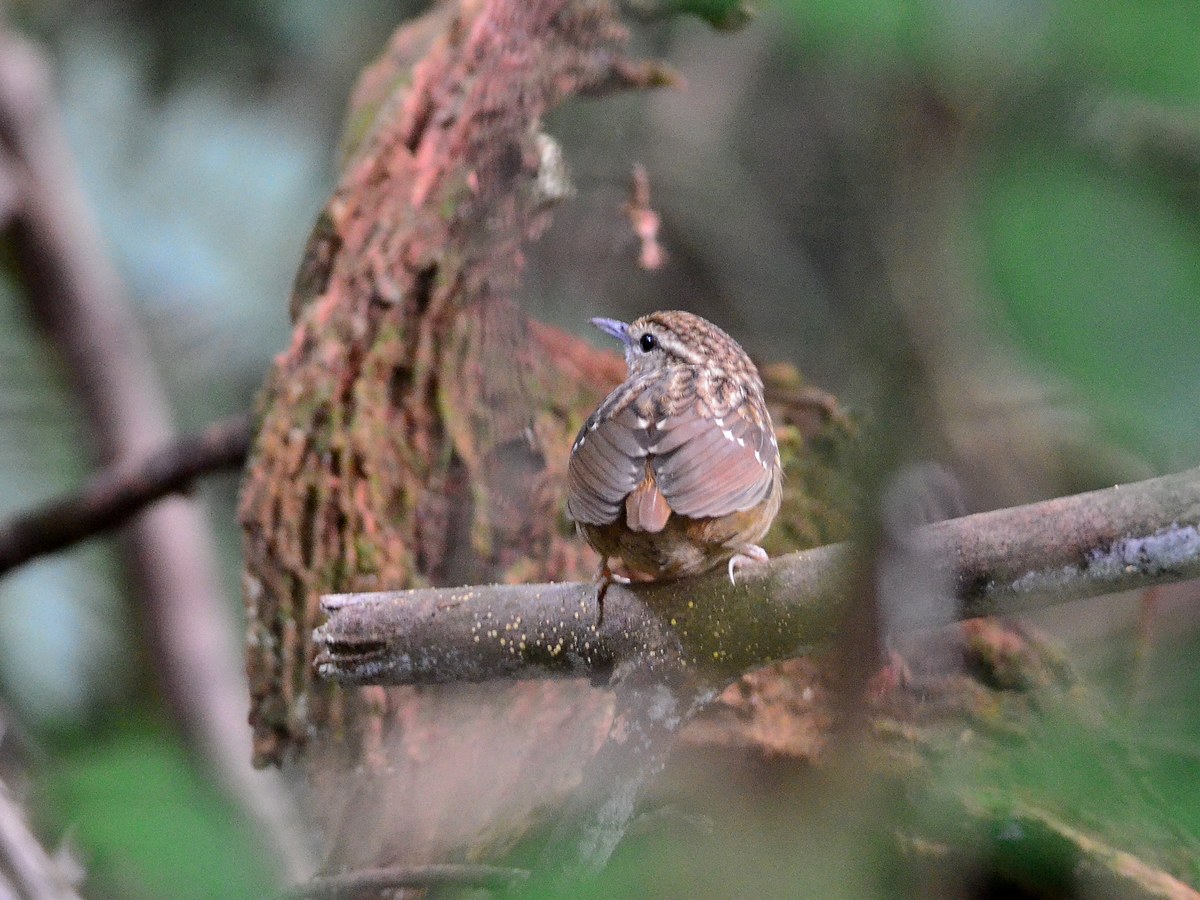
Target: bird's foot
{"x":603,"y":579}
{"x":747,"y":553}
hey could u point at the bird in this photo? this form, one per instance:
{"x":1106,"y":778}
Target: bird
{"x":677,"y":471}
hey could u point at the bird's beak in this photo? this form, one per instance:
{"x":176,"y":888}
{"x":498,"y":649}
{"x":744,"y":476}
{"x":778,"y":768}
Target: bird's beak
{"x":619,"y":330}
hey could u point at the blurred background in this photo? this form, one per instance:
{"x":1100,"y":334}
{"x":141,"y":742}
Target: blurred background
{"x":976,"y":223}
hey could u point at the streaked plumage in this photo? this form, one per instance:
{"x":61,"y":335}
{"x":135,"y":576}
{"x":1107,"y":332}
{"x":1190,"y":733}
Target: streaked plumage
{"x":678,"y":470}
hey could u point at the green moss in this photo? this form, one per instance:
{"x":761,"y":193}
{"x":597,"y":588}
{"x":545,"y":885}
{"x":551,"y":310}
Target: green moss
{"x":360,"y":120}
{"x":367,"y":556}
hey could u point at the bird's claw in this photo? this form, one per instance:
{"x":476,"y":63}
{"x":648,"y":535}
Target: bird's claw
{"x":748,"y":553}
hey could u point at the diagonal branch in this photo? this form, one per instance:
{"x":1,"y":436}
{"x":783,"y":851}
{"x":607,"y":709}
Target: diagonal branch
{"x":117,"y":494}
{"x":1122,"y":538}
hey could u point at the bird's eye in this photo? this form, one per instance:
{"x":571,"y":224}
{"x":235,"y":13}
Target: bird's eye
{"x":648,"y":342}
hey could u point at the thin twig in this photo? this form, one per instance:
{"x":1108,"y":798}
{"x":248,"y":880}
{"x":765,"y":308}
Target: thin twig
{"x":27,"y":871}
{"x":462,"y":875}
{"x":1121,"y":538}
{"x":117,"y":494}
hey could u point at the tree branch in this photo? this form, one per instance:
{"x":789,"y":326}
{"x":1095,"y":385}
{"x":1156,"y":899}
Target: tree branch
{"x":1121,"y":538}
{"x":115,"y":495}
{"x":460,"y":875}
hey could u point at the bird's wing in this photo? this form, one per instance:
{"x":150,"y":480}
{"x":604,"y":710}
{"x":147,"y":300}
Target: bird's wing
{"x":703,"y":464}
{"x":608,"y":458}
{"x":712,"y":465}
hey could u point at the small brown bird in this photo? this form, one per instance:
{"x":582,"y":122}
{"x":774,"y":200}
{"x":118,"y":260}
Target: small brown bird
{"x":678,"y":470}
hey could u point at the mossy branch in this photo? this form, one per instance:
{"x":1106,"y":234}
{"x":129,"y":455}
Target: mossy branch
{"x":1122,"y":538}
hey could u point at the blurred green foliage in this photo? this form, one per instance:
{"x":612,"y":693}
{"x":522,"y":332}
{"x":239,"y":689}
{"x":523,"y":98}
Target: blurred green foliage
{"x":146,"y":823}
{"x":720,"y":14}
{"x":1093,"y":256}
{"x":1101,"y":273}
{"x":1135,"y":45}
